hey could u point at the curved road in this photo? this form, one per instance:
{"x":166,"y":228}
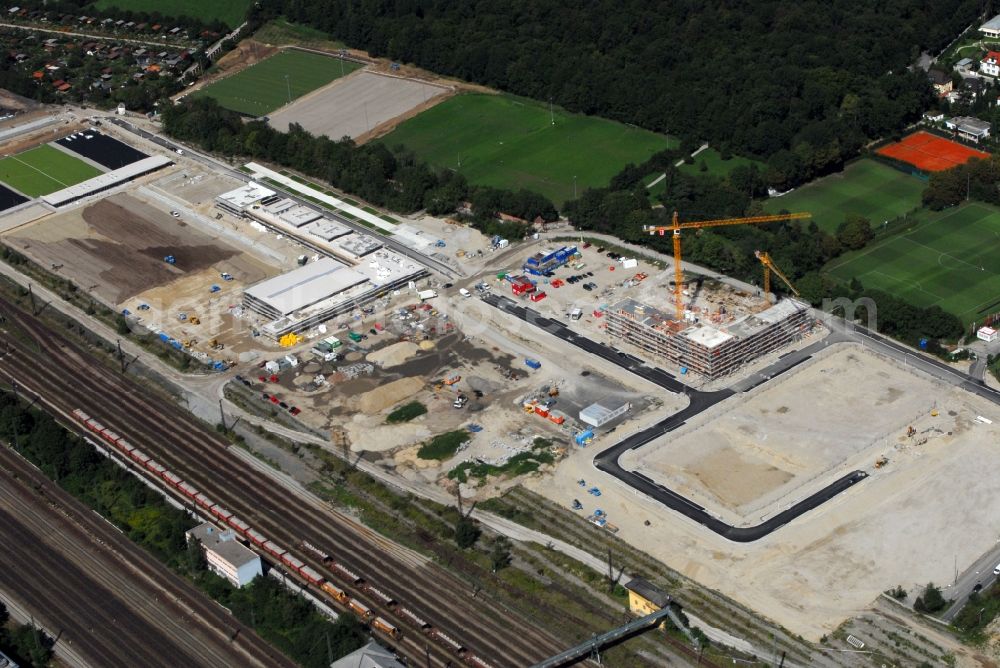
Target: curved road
{"x":607,"y":460}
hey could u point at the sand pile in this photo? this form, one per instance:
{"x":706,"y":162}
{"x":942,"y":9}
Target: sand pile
{"x":382,"y":397}
{"x":393,"y":355}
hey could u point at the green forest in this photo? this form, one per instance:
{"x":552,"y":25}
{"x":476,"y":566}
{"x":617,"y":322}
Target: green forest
{"x":803,"y":85}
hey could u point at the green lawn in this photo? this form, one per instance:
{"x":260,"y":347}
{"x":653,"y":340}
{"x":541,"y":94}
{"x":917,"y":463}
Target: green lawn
{"x":44,"y":170}
{"x":949,"y":258}
{"x":230,"y":12}
{"x":262,"y":88}
{"x":869,"y":188}
{"x":716,"y":165}
{"x":510,"y":142}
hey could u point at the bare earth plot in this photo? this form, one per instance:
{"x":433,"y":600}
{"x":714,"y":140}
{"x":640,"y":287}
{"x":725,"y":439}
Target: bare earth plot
{"x":798,"y":434}
{"x":936,"y":504}
{"x":115,"y":248}
{"x":357,"y":104}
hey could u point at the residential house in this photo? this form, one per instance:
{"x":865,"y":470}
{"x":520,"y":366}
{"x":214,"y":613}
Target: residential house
{"x":941,"y":81}
{"x":968,"y":128}
{"x":990,"y":65}
{"x":992,"y":27}
{"x":964,"y":65}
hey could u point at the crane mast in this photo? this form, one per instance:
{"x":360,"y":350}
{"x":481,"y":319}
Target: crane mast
{"x":675,"y":228}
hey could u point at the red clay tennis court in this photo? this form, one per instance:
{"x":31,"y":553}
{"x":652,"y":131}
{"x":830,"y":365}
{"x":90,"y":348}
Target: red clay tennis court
{"x":930,"y":153}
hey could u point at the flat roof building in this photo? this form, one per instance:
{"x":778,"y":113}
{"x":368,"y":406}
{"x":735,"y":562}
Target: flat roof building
{"x":237,"y":201}
{"x":300,"y":288}
{"x":328,"y":230}
{"x":225,"y":555}
{"x":357,"y":246}
{"x":107,"y":180}
{"x":708,"y":349}
{"x":603,"y":412}
{"x":299,"y":216}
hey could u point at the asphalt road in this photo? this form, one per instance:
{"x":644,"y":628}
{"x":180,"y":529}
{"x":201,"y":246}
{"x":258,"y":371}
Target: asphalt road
{"x":700,"y":401}
{"x":217,"y":166}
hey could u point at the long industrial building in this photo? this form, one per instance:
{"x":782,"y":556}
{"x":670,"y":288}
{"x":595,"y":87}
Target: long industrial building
{"x":352,"y":268}
{"x":709,"y":350}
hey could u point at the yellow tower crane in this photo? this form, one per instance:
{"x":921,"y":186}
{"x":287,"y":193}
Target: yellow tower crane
{"x":769,"y":266}
{"x":675,"y":228}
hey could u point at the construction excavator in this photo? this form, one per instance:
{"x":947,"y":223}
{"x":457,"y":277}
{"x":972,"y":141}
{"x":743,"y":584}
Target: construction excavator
{"x":675,"y":228}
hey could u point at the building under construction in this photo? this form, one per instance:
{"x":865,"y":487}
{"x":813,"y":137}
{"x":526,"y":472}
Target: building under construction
{"x":709,"y":349}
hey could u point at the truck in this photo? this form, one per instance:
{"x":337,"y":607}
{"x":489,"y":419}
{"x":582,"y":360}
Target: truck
{"x":534,"y":364}
{"x":424,"y":295}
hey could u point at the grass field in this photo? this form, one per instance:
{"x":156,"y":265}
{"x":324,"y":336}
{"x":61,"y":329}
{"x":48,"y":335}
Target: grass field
{"x":869,"y":188}
{"x":716,"y":165}
{"x":230,"y":12}
{"x":510,"y":142}
{"x":44,"y":170}
{"x":262,"y":88}
{"x":949,"y":258}
{"x":281,"y":32}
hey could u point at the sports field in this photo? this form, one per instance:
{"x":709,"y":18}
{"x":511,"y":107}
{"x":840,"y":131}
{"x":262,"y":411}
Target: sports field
{"x":930,"y":153}
{"x":949,"y":258}
{"x":230,"y":12}
{"x":867,"y":188}
{"x":509,"y":142}
{"x":44,"y":170}
{"x":274,"y":82}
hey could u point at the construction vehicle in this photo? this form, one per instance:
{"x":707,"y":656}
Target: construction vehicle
{"x":577,"y":505}
{"x":910,"y":431}
{"x":769,"y":266}
{"x":194,"y":320}
{"x":553,"y":391}
{"x":881,"y":461}
{"x":452,"y":380}
{"x":460,"y":401}
{"x":675,"y":228}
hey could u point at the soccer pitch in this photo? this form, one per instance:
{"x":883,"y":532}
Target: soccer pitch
{"x":868,"y":188}
{"x":230,"y":12}
{"x":44,"y":170}
{"x":262,"y":88}
{"x":949,"y":258}
{"x":508,"y":142}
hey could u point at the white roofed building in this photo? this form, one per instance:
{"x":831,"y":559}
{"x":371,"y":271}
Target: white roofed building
{"x":226,"y":556}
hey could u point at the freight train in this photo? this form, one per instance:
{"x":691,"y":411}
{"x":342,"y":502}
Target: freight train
{"x":280,"y":555}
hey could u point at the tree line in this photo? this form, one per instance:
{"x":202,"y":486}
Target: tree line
{"x":800,"y":249}
{"x":802,"y":85}
{"x":392,"y":178}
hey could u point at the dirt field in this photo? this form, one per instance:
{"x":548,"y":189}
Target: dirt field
{"x":753,"y":457}
{"x":358,"y":104}
{"x":936,"y":503}
{"x":116,"y":247}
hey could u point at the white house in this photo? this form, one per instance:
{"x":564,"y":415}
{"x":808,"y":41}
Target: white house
{"x":990,"y":65}
{"x":971,"y":129}
{"x":992,"y":27}
{"x":226,"y":557}
{"x":987,"y":334}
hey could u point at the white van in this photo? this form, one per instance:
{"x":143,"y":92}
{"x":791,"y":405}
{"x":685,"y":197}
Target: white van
{"x":465,"y":293}
{"x":996,"y":571}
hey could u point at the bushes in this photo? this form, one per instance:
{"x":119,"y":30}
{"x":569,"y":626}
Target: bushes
{"x":443,"y":445}
{"x":406,"y":412}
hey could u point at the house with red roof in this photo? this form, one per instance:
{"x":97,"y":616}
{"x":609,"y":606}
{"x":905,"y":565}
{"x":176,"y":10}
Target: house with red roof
{"x":990,"y":65}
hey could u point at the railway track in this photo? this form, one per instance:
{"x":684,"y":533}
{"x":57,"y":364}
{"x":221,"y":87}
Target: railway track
{"x":80,"y":576}
{"x":66,"y":379}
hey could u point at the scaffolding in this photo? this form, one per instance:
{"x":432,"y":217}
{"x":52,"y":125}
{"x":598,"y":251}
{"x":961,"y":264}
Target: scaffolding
{"x":711,"y":350}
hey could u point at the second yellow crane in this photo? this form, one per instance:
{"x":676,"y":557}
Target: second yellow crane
{"x":675,"y":228}
{"x":769,"y":266}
